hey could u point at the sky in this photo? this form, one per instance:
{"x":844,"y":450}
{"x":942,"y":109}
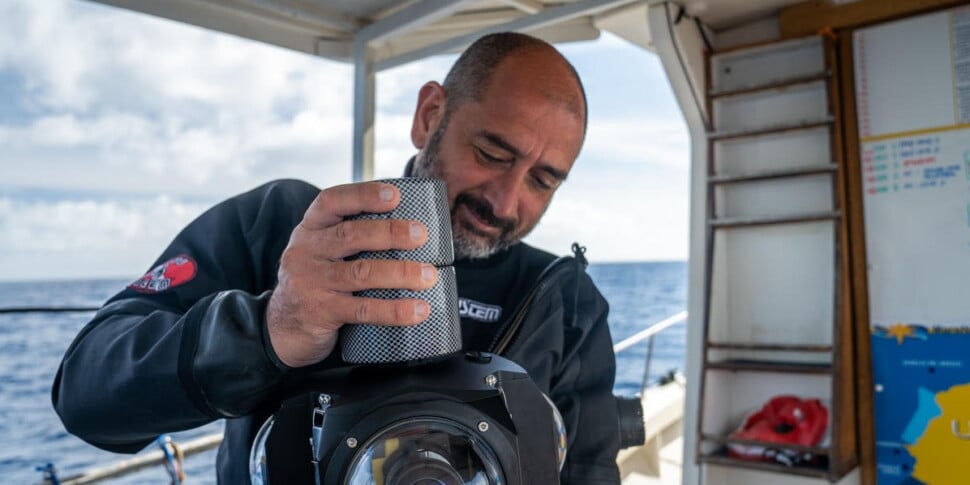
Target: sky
{"x":117,"y":129}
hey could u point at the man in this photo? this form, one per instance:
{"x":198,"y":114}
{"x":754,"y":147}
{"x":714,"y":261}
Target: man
{"x":256,"y":289}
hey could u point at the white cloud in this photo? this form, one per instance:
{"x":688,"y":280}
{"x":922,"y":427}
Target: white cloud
{"x":145,"y":113}
{"x":395,"y":148}
{"x":626,"y":215}
{"x":132,"y":152}
{"x":399,"y":86}
{"x":151,"y":98}
{"x":87,"y":237}
{"x":79,"y":55}
{"x":635,"y":140}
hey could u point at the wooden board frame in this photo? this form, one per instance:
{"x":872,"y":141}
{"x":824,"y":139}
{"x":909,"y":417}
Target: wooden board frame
{"x":859,"y":293}
{"x":811,"y":17}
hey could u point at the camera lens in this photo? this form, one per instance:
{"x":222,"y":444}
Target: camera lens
{"x":434,"y":470}
{"x":424,"y":451}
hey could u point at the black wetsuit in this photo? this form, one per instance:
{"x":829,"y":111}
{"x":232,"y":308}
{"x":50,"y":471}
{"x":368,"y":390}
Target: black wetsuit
{"x":187,"y":344}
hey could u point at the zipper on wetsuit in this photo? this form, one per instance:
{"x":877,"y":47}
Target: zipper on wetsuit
{"x":510,"y":329}
{"x":504,"y":338}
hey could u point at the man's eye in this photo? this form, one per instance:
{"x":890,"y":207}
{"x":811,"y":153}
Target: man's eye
{"x":543,"y":183}
{"x":489,"y":157}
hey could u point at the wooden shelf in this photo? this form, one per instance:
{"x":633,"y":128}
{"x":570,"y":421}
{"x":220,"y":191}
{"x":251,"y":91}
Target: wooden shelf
{"x":769,"y":347}
{"x":778,"y":85}
{"x":820,"y":451}
{"x":715,"y":136}
{"x":770,"y":366}
{"x":773,"y":100}
{"x":773,"y":174}
{"x":752,"y":47}
{"x":767,"y":221}
{"x":808,"y":470}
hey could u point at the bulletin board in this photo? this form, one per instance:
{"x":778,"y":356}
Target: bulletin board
{"x":912,"y":88}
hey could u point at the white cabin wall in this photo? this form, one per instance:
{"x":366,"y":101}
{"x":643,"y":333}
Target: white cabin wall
{"x":681,"y":50}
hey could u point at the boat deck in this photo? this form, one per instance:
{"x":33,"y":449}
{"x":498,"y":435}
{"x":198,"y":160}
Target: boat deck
{"x":668,"y":473}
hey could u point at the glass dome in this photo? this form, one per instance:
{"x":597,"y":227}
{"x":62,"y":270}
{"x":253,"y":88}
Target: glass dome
{"x":425,"y":451}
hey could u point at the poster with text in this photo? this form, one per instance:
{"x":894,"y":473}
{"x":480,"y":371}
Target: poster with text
{"x":913,"y":98}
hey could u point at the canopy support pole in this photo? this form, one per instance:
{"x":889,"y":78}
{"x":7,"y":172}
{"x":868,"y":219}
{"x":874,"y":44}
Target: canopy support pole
{"x":364,"y":108}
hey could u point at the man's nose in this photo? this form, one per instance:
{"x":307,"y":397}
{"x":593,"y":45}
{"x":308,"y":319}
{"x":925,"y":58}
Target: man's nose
{"x":505,"y":193}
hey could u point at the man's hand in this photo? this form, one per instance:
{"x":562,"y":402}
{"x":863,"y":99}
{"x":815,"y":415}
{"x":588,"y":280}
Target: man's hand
{"x":313,"y":298}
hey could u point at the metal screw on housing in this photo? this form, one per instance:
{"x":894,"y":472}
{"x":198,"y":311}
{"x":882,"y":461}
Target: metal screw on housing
{"x":352,"y":442}
{"x":491,"y":380}
{"x":482,"y":426}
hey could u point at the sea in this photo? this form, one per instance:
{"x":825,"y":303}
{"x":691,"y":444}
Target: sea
{"x":32,"y":344}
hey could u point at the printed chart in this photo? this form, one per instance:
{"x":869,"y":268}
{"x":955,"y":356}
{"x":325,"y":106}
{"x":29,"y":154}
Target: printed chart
{"x":913,"y":98}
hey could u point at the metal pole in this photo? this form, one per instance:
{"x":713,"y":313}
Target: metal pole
{"x":649,"y":331}
{"x":364,"y":107}
{"x":646,"y":367}
{"x":137,"y":463}
{"x":45,"y":309}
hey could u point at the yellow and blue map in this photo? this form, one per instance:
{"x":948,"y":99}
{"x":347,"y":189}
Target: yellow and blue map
{"x":921,"y":376}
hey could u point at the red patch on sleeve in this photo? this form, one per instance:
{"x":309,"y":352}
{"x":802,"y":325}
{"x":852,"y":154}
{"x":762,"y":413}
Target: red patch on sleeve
{"x":176,"y":271}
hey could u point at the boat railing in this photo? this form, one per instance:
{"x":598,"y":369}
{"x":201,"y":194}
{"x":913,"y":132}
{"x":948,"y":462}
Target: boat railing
{"x":47,"y":309}
{"x":649,"y":334}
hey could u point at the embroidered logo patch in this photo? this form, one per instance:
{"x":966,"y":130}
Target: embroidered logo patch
{"x":176,"y":271}
{"x":479,"y":311}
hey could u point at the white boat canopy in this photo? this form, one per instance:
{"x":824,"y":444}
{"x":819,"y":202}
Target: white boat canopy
{"x":377,"y":34}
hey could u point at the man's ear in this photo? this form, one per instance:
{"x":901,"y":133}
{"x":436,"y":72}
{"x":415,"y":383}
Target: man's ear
{"x":428,"y":114}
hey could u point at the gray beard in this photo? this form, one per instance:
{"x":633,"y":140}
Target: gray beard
{"x":467,"y":246}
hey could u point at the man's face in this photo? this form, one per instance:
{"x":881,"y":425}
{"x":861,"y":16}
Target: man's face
{"x":503,"y":157}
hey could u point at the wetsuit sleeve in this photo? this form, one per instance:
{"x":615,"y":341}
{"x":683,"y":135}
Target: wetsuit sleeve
{"x":583,"y":390}
{"x":178,"y":349}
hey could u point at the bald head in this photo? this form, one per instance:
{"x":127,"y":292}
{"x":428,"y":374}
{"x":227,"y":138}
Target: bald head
{"x":475,"y":69}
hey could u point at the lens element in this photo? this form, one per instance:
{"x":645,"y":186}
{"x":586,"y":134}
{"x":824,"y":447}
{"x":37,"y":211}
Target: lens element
{"x":425,"y":451}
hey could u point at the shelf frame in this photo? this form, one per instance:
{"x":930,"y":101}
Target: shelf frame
{"x":840,"y":455}
{"x":771,"y":130}
{"x":814,"y":471}
{"x":728,"y":223}
{"x":777,"y":367}
{"x":778,"y":85}
{"x":721,"y":439}
{"x":768,"y":347}
{"x":830,"y":168}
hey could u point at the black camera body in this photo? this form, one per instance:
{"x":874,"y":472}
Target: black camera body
{"x":467,"y":418}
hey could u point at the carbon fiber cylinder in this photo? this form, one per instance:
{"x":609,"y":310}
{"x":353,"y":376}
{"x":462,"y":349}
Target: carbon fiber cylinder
{"x":425,"y":200}
{"x":439,"y":334}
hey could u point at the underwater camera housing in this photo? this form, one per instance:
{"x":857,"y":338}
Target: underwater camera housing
{"x":471,"y":418}
{"x":412,"y":409}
